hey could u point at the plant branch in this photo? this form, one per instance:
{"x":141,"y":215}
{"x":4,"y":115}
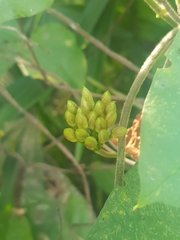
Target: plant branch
{"x":117,"y":96}
{"x":33,"y":55}
{"x":146,"y":67}
{"x":66,"y":152}
{"x":93,"y":40}
{"x":21,"y":35}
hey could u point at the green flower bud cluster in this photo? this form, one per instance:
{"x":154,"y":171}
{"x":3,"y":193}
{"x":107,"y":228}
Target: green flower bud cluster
{"x":92,"y":123}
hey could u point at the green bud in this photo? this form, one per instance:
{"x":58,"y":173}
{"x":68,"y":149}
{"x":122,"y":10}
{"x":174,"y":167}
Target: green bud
{"x":103,"y":136}
{"x":111,"y":107}
{"x":111,"y":118}
{"x":92,"y":116}
{"x":81,"y":120}
{"x":99,"y":108}
{"x":100,"y":124}
{"x":106,"y":98}
{"x":81,"y":134}
{"x":69,"y":134}
{"x":72,"y":106}
{"x":87,"y":102}
{"x":79,"y":110}
{"x":90,"y":143}
{"x":119,"y":131}
{"x":70,"y":118}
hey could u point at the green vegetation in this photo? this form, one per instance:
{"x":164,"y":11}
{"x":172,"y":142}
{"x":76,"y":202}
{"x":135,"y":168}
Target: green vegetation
{"x":69,"y":69}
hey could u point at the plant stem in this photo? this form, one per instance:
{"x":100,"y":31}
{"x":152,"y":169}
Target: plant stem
{"x":146,"y":67}
{"x":157,"y":8}
{"x":106,"y":154}
{"x":170,"y":11}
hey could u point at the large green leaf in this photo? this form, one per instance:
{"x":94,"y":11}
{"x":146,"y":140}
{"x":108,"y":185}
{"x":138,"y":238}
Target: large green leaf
{"x":59,"y":53}
{"x":117,"y":219}
{"x":10,"y":9}
{"x":159,"y":163}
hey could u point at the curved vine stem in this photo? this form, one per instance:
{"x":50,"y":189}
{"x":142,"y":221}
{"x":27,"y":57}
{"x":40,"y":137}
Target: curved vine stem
{"x":146,"y":67}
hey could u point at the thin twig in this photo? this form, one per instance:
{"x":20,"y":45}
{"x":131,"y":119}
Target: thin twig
{"x":116,"y":97}
{"x":29,"y":45}
{"x":37,"y":65}
{"x":146,"y":67}
{"x":21,"y":35}
{"x":94,"y":41}
{"x":66,"y":152}
{"x":37,"y":62}
{"x":13,"y":154}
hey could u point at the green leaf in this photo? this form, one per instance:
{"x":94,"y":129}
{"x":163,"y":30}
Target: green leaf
{"x":19,"y":228}
{"x":10,"y":9}
{"x":41,"y":207}
{"x":117,"y":220}
{"x":26,"y":91}
{"x":25,"y":138}
{"x":97,"y":58}
{"x":103,"y":175}
{"x":97,"y":7}
{"x":54,"y":206}
{"x":58,"y":52}
{"x":10,"y":45}
{"x":9,"y":176}
{"x":14,"y":227}
{"x":159,"y":164}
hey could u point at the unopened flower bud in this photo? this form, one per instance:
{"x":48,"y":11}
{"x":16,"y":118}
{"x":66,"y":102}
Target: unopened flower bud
{"x":81,"y":120}
{"x":106,"y":98}
{"x":81,"y":134}
{"x":99,"y":108}
{"x":111,"y":107}
{"x":100,"y":124}
{"x":103,"y":136}
{"x":91,"y":119}
{"x":70,"y":118}
{"x":111,"y":118}
{"x":87,"y":102}
{"x":79,"y":110}
{"x":119,"y":131}
{"x":69,"y":134}
{"x":90,"y":143}
{"x":72,"y":106}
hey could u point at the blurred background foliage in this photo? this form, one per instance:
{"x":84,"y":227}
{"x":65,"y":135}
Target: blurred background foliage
{"x":43,"y":63}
